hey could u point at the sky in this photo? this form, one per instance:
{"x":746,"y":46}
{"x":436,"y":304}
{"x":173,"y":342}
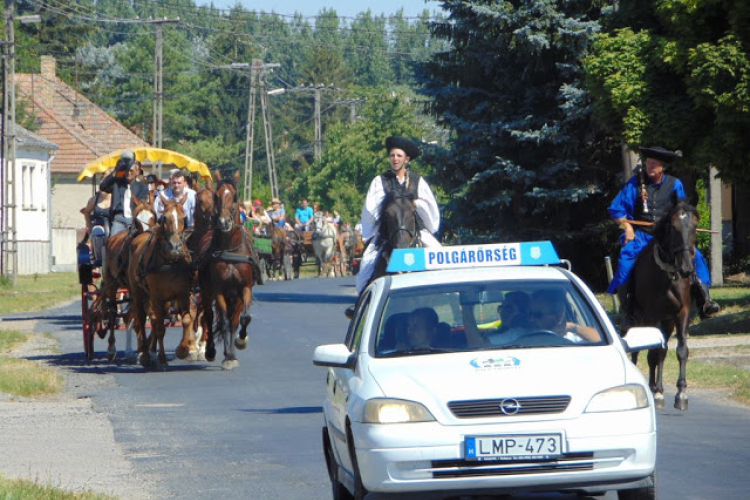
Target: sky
{"x":344,"y":8}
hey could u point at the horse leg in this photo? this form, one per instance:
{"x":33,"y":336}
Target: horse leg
{"x":681,"y":398}
{"x":138,"y":312}
{"x":222,"y":306}
{"x":247,"y":299}
{"x":186,"y":349}
{"x":157,"y":333}
{"x":208,"y":334}
{"x":655,"y":369}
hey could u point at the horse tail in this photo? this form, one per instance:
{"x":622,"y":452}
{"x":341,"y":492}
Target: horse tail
{"x":255,"y":261}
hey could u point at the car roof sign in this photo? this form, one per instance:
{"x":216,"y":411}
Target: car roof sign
{"x":535,"y":253}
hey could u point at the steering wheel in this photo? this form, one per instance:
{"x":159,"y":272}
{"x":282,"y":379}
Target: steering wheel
{"x":543,"y":337}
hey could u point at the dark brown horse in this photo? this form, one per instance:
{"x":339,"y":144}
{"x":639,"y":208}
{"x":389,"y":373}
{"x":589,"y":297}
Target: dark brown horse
{"x":233,"y":270}
{"x":199,"y":246}
{"x":159,"y":275}
{"x":115,"y":269}
{"x":399,"y":228}
{"x":660,"y":284}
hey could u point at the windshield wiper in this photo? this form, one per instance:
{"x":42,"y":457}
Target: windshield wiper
{"x":418,"y":350}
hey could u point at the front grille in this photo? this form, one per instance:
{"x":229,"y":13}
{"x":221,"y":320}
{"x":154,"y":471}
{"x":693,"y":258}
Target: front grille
{"x":466,"y":468}
{"x":494,"y":407}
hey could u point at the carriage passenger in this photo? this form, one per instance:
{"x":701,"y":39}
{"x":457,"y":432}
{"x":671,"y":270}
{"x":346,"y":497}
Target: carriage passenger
{"x":177,"y":190}
{"x":304,"y":217}
{"x":648,"y":196}
{"x":96,"y":215}
{"x":278,"y":215}
{"x":123,"y":186}
{"x":399,"y":178}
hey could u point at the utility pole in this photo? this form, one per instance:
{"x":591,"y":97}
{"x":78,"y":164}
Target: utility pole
{"x":352,"y":103}
{"x":316,"y":89}
{"x":159,"y":83}
{"x":258,"y":76}
{"x":10,"y":242}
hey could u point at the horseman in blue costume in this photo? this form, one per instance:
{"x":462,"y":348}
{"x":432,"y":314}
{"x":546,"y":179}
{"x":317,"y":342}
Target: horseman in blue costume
{"x":648,"y":196}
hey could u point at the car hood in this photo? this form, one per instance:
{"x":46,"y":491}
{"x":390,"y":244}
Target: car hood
{"x":579,"y":371}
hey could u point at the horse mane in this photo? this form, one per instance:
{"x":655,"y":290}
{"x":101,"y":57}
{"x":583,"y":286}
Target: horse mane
{"x":662,"y":226}
{"x":387,"y":200}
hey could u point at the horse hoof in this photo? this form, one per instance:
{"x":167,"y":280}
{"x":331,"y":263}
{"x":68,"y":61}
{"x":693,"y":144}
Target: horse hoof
{"x":681,"y":402}
{"x":201,"y":357}
{"x":182,"y":352}
{"x":229,"y":364}
{"x":193,"y":356}
{"x":659,"y":401}
{"x":111,"y":355}
{"x":144,"y":360}
{"x":240,"y":343}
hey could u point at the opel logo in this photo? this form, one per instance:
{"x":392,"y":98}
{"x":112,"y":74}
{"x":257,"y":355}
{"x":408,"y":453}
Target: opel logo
{"x":510,"y":406}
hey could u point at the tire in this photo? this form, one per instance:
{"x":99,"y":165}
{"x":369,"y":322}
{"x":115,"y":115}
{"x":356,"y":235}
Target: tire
{"x":338,"y":490}
{"x":647,"y":493}
{"x":87,"y":326}
{"x":360,"y":492}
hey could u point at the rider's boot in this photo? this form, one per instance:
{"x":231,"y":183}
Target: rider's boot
{"x":706,"y":306}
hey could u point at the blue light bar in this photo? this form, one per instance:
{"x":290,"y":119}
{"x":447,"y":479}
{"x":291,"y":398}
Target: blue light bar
{"x":534,"y":253}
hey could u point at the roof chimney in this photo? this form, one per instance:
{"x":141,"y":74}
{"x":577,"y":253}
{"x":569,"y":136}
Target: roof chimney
{"x":49,"y":68}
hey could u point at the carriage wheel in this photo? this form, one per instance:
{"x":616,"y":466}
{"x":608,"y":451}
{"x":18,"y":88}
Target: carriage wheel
{"x":263,"y":271}
{"x":288,"y":271}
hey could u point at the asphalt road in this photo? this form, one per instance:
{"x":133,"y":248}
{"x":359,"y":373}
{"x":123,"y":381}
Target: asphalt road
{"x":195,"y":431}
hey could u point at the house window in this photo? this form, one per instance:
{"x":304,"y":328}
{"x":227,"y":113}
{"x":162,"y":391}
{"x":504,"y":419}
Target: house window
{"x":28,"y":173}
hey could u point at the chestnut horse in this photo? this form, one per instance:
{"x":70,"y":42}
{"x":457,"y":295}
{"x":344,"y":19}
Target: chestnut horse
{"x":159,"y":274}
{"x":233,"y":270}
{"x":114,"y":271}
{"x":661,"y":293}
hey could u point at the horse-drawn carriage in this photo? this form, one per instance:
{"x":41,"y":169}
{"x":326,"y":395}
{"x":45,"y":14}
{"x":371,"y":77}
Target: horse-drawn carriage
{"x":158,"y":271}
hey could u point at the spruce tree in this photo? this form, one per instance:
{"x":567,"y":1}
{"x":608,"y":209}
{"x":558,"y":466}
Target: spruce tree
{"x":522,"y":161}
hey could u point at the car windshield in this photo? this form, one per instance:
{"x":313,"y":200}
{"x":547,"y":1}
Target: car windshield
{"x":489,"y":315}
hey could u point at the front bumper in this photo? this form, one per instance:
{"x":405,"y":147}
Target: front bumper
{"x":602,"y":452}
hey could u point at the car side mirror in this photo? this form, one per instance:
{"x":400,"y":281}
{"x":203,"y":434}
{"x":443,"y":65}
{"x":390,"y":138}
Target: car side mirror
{"x":643,"y":337}
{"x":349,"y":312}
{"x":333,"y":355}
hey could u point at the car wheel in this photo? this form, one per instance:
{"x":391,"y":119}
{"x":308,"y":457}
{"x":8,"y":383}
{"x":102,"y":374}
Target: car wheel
{"x":338,"y":490}
{"x":360,"y":492}
{"x":647,"y":493}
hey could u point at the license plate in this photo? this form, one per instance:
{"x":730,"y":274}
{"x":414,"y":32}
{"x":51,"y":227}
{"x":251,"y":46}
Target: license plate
{"x":514,"y":447}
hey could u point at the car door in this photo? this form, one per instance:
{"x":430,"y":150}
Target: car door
{"x":344,"y":380}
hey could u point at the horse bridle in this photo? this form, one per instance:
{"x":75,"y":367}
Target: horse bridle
{"x":672,"y":251}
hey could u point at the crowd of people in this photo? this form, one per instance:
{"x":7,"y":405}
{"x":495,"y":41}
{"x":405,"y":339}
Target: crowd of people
{"x":305,"y":217}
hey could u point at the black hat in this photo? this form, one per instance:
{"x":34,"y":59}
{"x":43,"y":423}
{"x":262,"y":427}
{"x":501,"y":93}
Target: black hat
{"x":661,"y":154}
{"x":411,"y":149}
{"x":150,"y":178}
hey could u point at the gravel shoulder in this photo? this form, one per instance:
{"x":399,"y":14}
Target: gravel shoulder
{"x":62,"y":440}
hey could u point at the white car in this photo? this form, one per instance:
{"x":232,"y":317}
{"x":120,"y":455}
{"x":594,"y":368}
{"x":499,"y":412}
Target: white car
{"x":431,"y":396}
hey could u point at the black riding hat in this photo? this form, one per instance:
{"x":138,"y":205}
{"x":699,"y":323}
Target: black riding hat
{"x":409,"y":147}
{"x":151,"y":178}
{"x":660,"y":153}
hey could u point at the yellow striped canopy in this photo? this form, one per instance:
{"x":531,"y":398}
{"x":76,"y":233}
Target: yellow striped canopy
{"x":146,"y":155}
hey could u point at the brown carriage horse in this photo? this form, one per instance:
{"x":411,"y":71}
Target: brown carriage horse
{"x":660,"y":282}
{"x":115,"y":269}
{"x":233,"y":270}
{"x":159,"y":275}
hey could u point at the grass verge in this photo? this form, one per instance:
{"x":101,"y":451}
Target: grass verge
{"x":25,"y":378}
{"x":21,"y":489}
{"x":38,"y":292}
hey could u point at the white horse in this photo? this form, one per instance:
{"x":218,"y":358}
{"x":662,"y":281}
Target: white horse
{"x":324,"y":243}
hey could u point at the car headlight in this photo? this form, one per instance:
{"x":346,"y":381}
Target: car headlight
{"x":395,"y":411}
{"x":626,"y":397}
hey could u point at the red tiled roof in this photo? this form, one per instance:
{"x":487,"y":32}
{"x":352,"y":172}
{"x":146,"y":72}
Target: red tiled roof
{"x":81,"y":129}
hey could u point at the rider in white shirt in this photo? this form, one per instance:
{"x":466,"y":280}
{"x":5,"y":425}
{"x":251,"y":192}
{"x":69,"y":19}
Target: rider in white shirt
{"x":400,"y":152}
